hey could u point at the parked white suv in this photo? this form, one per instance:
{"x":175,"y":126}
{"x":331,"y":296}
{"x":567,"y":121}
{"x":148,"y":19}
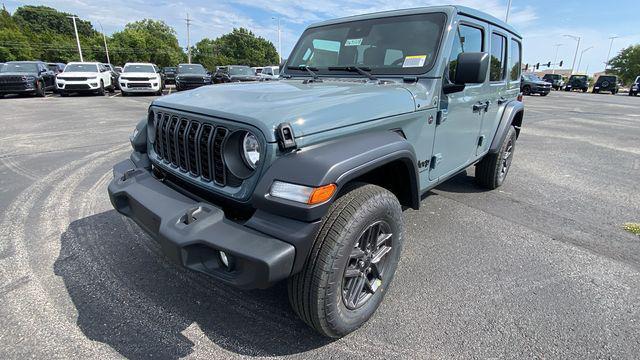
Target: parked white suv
{"x":270,"y":72}
{"x":84,"y":77}
{"x":141,"y":78}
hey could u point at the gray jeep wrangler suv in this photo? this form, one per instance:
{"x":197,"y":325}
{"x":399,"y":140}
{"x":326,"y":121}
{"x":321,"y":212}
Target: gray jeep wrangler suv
{"x":305,"y":178}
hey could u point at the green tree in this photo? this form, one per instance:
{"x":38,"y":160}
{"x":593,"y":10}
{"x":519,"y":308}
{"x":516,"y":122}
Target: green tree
{"x":146,"y":41}
{"x":240,"y":47}
{"x":627,"y":64}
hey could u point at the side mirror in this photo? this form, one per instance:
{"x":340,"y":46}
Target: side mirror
{"x":471,"y":68}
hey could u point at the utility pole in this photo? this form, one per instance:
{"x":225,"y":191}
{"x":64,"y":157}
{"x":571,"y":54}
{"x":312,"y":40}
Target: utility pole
{"x":188,"y":20}
{"x":506,"y":18}
{"x":75,"y":28}
{"x":555,"y":59}
{"x":279,"y":41}
{"x":578,"y":38}
{"x":606,"y":61}
{"x":104,"y":37}
{"x":582,"y":53}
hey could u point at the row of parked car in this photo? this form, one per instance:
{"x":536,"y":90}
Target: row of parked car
{"x":532,"y":84}
{"x":36,"y":77}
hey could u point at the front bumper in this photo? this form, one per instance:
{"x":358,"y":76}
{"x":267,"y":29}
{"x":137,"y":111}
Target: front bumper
{"x":140,"y":86}
{"x":17,"y":88}
{"x":83,"y":85}
{"x":192,"y":233}
{"x":180,"y":85}
{"x":540,"y":90}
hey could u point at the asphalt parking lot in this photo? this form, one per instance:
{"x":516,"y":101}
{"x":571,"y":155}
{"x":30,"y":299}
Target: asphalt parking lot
{"x":539,"y":269}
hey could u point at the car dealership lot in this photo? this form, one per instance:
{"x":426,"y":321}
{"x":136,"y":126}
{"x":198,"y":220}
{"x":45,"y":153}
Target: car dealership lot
{"x":539,"y":268}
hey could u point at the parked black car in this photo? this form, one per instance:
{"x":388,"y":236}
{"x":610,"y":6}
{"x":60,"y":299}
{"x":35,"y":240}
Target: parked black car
{"x":607,"y":83}
{"x":235,"y":73}
{"x":57,"y":68}
{"x":114,"y":75}
{"x":635,"y":87}
{"x":26,"y":77}
{"x":532,"y":84}
{"x":555,"y":79}
{"x":191,"y":76}
{"x":577,"y":82}
{"x":169,"y":74}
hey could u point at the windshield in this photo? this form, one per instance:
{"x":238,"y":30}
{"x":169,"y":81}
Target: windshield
{"x":391,"y":45}
{"x":240,"y":70}
{"x":52,"y":67}
{"x":607,"y":78}
{"x":170,"y":69}
{"x":531,"y":77}
{"x":81,"y":68}
{"x":579,"y":77}
{"x":191,"y":69}
{"x":20,"y":67}
{"x":139,"y":68}
{"x":553,"y":77}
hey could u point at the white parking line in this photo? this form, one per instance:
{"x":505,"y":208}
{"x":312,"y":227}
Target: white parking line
{"x":114,"y":95}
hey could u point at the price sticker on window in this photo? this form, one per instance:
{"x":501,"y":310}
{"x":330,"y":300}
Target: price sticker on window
{"x":353,"y":42}
{"x":414,"y":61}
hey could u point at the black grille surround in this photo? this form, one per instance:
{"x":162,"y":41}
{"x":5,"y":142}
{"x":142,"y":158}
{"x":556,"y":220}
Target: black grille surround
{"x":193,"y":147}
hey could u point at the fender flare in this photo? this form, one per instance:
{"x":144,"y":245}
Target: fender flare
{"x":511,"y":110}
{"x":338,"y":161}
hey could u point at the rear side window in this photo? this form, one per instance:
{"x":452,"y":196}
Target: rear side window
{"x":515,"y":63}
{"x":468,"y":39}
{"x":498,"y":57}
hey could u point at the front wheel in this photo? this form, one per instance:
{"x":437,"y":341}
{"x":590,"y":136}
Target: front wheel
{"x":352,"y":262}
{"x":526,"y":90}
{"x":40,"y":89}
{"x":492,"y":170}
{"x":101,"y":89}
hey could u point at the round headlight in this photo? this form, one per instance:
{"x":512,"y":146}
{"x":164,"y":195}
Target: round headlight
{"x":250,"y":150}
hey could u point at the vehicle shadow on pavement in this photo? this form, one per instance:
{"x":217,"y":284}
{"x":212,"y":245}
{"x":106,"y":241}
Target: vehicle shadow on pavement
{"x":129,"y":296}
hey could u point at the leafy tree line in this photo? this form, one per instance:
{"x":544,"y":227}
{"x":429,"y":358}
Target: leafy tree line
{"x":626,"y":64}
{"x":43,"y":33}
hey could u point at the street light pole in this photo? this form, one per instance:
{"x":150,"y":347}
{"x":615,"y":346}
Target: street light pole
{"x":75,"y":28}
{"x":506,"y":18}
{"x":104,"y":38}
{"x":279,"y":40}
{"x":606,"y":61}
{"x":582,"y":53}
{"x":555,"y":59}
{"x":576,"y":54}
{"x":188,"y":20}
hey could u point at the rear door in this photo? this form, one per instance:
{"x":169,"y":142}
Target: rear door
{"x":457,"y":130}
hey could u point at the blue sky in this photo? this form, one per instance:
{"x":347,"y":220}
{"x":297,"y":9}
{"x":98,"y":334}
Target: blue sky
{"x":542,"y":22}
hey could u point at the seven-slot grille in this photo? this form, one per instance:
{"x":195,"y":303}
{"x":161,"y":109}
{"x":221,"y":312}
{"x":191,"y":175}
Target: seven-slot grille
{"x":193,"y":147}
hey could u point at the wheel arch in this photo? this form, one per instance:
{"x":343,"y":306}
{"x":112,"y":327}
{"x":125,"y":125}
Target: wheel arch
{"x":382,"y":158}
{"x":512,"y":115}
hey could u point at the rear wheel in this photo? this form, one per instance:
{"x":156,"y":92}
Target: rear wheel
{"x":101,"y":89}
{"x":352,"y":262}
{"x":492,"y":170}
{"x":526,"y":90}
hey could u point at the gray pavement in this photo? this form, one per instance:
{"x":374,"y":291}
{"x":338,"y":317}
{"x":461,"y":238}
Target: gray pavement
{"x":540,"y":268}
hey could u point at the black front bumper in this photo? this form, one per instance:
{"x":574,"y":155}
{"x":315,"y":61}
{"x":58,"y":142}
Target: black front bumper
{"x":189,"y":86}
{"x":259,"y":260}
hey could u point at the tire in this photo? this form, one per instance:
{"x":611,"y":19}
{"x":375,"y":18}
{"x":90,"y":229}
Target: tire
{"x":584,"y":90}
{"x":40,"y":89}
{"x":112,"y":88}
{"x":100,"y":90}
{"x":526,"y":90}
{"x":544,"y":94}
{"x":492,"y":170}
{"x":317,"y":293}
{"x":64,"y":94}
{"x":124,"y":93}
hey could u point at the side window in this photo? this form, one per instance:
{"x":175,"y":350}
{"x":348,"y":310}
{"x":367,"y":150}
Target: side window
{"x":468,"y":39}
{"x":498,"y":57}
{"x":515,"y":64}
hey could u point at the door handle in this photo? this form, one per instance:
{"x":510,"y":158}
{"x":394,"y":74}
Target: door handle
{"x":502,"y":100}
{"x":479,"y":106}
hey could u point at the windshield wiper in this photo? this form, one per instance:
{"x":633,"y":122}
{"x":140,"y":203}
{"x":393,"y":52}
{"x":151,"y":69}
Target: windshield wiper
{"x":364,"y":71}
{"x":309,"y":69}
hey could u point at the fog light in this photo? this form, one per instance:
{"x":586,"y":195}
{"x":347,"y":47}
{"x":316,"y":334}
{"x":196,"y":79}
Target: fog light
{"x":94,"y":84}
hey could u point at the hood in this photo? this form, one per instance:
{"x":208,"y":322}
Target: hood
{"x":78,"y":74}
{"x":138,"y":74}
{"x":309,"y":108}
{"x":17,"y":74}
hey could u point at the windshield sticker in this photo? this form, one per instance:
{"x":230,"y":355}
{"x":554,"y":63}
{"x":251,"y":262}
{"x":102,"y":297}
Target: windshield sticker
{"x":414,"y":61}
{"x":353,"y":42}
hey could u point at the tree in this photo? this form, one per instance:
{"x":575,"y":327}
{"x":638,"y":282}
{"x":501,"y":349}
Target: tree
{"x":239,"y":47}
{"x":627,"y":64}
{"x":146,"y":41}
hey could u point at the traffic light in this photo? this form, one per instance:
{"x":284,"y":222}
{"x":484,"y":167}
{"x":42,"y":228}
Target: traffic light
{"x":549,"y":64}
{"x":537,"y":66}
{"x":560,"y":65}
{"x":526,"y":67}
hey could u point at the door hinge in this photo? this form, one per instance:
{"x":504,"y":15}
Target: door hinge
{"x":435,"y":160}
{"x":286,"y":139}
{"x":442,"y":116}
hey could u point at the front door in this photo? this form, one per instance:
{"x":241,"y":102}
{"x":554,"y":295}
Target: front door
{"x":458,"y":127}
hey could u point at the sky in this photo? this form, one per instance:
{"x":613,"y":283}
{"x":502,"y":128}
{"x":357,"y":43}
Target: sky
{"x":543,"y":23}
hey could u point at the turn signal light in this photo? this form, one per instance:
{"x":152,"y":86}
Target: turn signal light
{"x":302,"y":194}
{"x":322,"y":194}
